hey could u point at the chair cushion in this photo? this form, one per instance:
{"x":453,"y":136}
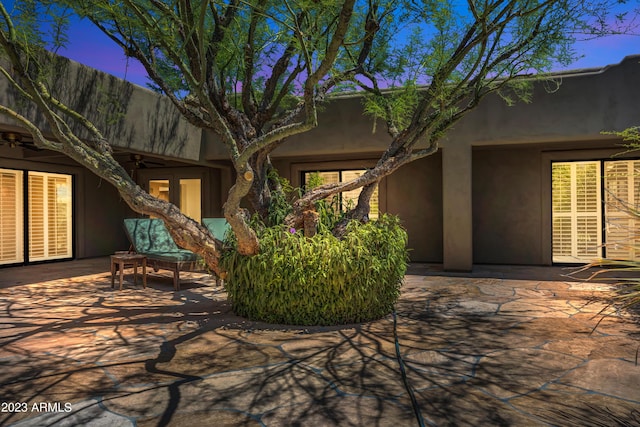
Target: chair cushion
{"x":181,"y":255}
{"x":217,"y":226}
{"x":149,"y":235}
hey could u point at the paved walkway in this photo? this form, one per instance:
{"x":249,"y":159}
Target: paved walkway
{"x":507,"y":346}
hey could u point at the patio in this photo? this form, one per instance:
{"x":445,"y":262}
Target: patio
{"x":502,"y":346}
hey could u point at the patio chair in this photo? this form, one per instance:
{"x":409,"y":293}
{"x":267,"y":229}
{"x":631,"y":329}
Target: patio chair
{"x":151,"y":238}
{"x":217,"y":226}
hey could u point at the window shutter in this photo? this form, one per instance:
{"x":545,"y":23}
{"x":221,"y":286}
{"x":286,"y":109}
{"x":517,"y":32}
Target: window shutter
{"x":11,"y":213}
{"x":37,"y":218}
{"x":59,"y":212}
{"x":49,"y":216}
{"x":576,"y":211}
{"x":622,"y":197}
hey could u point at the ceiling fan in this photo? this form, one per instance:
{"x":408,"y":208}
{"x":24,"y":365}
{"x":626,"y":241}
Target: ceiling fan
{"x":14,"y":139}
{"x":140,"y":162}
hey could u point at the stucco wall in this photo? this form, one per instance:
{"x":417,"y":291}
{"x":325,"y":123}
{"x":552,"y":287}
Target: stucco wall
{"x":570,"y":107}
{"x":342,"y":128}
{"x":101,"y":232}
{"x":509,"y":185}
{"x":512,"y":197}
{"x":127,"y":115}
{"x":414,"y":193}
{"x":507,"y":212}
{"x":574,"y":106}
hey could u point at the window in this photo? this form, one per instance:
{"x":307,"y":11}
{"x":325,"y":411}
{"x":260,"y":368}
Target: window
{"x":576,"y":211}
{"x":348,"y":199}
{"x":11,"y":217}
{"x":49,"y":215}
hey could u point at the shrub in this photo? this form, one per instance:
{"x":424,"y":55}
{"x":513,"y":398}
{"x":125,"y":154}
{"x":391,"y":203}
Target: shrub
{"x":320,"y":280}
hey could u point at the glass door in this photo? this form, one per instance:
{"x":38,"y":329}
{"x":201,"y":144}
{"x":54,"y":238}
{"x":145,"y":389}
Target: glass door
{"x":191,"y":198}
{"x":622,"y":209}
{"x":576,"y":211}
{"x":49,"y":216}
{"x":188,"y":198}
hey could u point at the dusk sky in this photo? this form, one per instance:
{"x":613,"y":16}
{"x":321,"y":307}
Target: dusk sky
{"x":90,"y":47}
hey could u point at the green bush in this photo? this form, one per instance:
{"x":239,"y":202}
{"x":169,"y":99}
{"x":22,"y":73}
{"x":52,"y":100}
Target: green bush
{"x":320,"y":280}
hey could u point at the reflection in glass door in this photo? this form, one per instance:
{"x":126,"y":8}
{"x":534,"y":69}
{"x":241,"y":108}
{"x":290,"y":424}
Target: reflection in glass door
{"x":348,"y":199}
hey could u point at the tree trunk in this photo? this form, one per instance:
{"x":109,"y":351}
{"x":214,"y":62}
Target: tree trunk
{"x":259,"y":196}
{"x":310,"y":220}
{"x":237,"y":217}
{"x":359,"y":213}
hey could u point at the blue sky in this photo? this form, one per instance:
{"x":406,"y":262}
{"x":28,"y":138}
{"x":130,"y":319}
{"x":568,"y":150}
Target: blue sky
{"x":90,"y":47}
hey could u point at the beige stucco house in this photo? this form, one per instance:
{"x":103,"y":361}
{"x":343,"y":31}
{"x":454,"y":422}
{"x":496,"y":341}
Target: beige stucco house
{"x":510,"y":185}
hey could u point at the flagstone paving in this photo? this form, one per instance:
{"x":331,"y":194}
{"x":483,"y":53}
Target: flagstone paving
{"x":504,"y":346}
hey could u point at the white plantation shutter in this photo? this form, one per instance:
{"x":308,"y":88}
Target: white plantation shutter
{"x":11,"y":214}
{"x":622,"y":199}
{"x":49,"y":216}
{"x":59,"y":212}
{"x":374,"y":204}
{"x":37,"y":216}
{"x":561,"y":195}
{"x":576,"y":211}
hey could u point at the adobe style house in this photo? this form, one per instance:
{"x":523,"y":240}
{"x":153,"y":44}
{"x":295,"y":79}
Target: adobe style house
{"x":510,"y":185}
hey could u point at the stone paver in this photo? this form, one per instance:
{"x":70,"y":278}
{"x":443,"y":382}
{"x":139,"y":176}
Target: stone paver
{"x":503,"y":346}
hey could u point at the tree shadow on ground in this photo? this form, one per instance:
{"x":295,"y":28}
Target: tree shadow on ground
{"x":165,"y":358}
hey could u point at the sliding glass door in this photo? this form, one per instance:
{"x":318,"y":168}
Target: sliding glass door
{"x":576,"y":211}
{"x":622,"y":207}
{"x":191,"y":197}
{"x":48,"y":218}
{"x":596,"y":210}
{"x":188,"y":197}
